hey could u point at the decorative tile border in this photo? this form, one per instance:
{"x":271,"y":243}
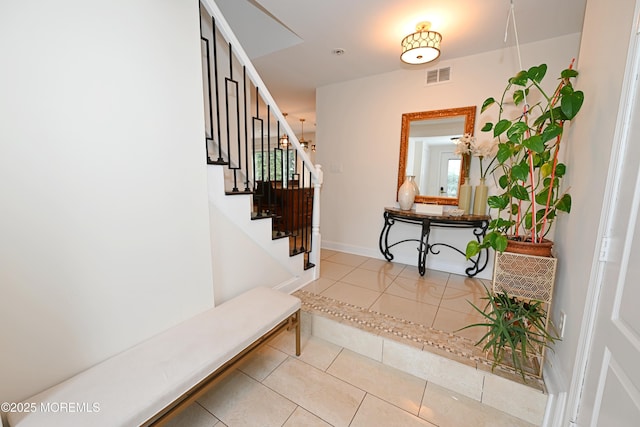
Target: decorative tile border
{"x":446,"y":344}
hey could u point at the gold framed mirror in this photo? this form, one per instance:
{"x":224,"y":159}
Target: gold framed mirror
{"x":427,"y":152}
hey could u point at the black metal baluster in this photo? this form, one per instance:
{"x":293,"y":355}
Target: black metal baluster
{"x":301,"y":211}
{"x":246,"y":139}
{"x":260,"y":189}
{"x":220,"y":160}
{"x":231,"y":86}
{"x":309,"y":219}
{"x":209,"y":136}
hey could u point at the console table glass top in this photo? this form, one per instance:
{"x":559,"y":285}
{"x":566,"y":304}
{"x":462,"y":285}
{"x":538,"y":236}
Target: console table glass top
{"x":477,"y":223}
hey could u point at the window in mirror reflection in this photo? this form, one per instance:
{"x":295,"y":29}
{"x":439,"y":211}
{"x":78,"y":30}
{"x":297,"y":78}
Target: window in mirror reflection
{"x":453,"y":176}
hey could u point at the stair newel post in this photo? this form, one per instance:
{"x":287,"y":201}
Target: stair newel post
{"x":314,"y":256}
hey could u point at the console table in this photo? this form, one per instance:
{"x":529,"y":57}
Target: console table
{"x":478,"y":224}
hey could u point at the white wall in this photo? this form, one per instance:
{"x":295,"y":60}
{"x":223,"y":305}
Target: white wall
{"x":244,"y":253}
{"x":603,"y":56}
{"x":104,"y":220}
{"x":359,"y":140}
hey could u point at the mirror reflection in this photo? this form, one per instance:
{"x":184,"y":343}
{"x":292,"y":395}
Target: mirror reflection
{"x":427,"y":152}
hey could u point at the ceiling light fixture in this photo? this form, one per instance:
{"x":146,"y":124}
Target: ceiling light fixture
{"x":284,"y":139}
{"x":422,"y":46}
{"x":303,"y":142}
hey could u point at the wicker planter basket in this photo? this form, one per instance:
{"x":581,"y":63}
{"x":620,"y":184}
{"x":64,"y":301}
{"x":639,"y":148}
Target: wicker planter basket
{"x":530,"y":278}
{"x":524,"y":276}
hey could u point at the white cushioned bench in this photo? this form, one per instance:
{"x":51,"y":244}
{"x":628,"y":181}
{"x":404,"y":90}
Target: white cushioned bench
{"x":153,"y":380}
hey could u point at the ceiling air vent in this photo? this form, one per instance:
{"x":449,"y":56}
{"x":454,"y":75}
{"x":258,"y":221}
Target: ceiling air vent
{"x":438,"y":75}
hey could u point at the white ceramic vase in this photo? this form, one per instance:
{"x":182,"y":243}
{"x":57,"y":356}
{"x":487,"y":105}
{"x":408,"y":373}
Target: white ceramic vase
{"x":407,"y":193}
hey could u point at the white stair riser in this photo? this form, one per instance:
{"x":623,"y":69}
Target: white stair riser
{"x":238,"y":209}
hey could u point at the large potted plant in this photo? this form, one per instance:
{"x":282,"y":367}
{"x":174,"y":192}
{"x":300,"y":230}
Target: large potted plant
{"x":529,"y":172}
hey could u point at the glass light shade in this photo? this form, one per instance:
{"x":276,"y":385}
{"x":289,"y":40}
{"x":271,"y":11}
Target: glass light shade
{"x":421,"y":47}
{"x":284,"y":141}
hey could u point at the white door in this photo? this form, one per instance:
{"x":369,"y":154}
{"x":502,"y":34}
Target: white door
{"x":611,"y":391}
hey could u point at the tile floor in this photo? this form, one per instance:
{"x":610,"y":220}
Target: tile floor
{"x":439,"y":300}
{"x":328,"y":385}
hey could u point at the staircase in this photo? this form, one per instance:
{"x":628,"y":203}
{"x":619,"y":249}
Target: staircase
{"x":262,"y":183}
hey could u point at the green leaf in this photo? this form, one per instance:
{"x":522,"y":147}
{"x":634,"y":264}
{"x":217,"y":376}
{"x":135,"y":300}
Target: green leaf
{"x":519,"y":192}
{"x":502,"y":223}
{"x":516,"y":131}
{"x":561,"y":169}
{"x":500,"y":243}
{"x":518,"y":96}
{"x":503,"y":181}
{"x":504,"y":152}
{"x":570,"y":104}
{"x":540,"y":214}
{"x":514,"y":209}
{"x":473,"y":248}
{"x":558,"y":115}
{"x":552,"y":131}
{"x":564,"y":204}
{"x":520,"y":172}
{"x":520,"y":79}
{"x":541,"y":197}
{"x":487,"y":127}
{"x":500,"y":127}
{"x":527,"y":221}
{"x":534,"y":143}
{"x":537,"y":159}
{"x":568,"y":73}
{"x":546,"y":169}
{"x":496,"y":240}
{"x":487,"y":103}
{"x":566,"y":90}
{"x":537,"y":73}
{"x":497,"y":202}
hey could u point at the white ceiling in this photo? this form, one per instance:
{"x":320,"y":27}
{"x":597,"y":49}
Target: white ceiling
{"x":291,"y":41}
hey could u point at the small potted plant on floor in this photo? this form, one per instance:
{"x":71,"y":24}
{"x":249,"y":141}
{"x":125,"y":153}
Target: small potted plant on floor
{"x":515,"y":329}
{"x":530,"y":193}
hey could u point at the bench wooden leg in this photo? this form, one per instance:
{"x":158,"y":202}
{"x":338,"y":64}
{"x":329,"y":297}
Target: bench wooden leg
{"x":298,"y":333}
{"x":294,"y":322}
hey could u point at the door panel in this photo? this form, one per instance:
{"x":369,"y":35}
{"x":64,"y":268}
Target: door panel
{"x":619,"y":398}
{"x":611,"y":395}
{"x":629,"y":312}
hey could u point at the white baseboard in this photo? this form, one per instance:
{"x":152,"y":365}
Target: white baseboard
{"x":557,"y":389}
{"x":350,"y":249}
{"x":297,"y":282}
{"x":433,"y":262}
